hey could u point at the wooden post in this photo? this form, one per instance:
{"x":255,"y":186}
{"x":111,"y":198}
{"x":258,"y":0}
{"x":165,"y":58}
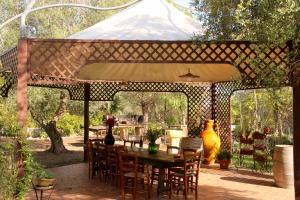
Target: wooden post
{"x":22,"y":73}
{"x":86,"y":118}
{"x":213,"y":101}
{"x":296,"y":133}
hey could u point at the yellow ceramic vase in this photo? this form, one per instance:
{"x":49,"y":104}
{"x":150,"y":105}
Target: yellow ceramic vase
{"x":211,"y":142}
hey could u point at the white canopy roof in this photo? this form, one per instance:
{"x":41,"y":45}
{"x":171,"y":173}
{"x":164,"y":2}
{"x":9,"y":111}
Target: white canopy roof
{"x":146,"y":20}
{"x":151,"y":20}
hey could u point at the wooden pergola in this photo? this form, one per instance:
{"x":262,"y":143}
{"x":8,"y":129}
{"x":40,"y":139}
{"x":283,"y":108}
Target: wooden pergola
{"x":56,"y":63}
{"x":94,"y":70}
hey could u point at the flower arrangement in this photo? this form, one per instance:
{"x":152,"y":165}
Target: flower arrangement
{"x":109,"y":138}
{"x":110,"y":121}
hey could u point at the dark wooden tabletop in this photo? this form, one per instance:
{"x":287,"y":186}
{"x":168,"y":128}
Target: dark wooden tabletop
{"x":160,"y":156}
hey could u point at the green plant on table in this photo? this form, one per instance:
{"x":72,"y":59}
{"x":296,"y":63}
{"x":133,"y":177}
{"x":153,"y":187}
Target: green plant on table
{"x":153,"y":134}
{"x":224,"y":155}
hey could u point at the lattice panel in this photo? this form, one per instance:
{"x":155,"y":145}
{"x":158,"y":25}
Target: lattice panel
{"x":221,"y":107}
{"x":65,"y":58}
{"x":199,"y":103}
{"x":7,"y":83}
{"x":9,"y":60}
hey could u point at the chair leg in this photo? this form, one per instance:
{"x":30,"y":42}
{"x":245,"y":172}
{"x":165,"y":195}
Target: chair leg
{"x":152,"y":176}
{"x":185,"y":180}
{"x":170,"y":186}
{"x":134,"y":188}
{"x":122,"y":188}
{"x":148,"y":187}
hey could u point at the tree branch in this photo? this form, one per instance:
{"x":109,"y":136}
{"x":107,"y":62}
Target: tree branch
{"x":61,"y":108}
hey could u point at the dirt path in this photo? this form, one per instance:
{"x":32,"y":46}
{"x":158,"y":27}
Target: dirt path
{"x":75,"y":155}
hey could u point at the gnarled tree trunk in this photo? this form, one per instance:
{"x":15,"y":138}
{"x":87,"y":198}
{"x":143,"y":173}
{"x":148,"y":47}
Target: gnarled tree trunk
{"x":49,"y":126}
{"x":57,"y":145}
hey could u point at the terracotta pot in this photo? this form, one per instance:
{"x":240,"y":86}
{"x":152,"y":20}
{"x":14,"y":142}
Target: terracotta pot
{"x":224,"y":164}
{"x":211,"y":142}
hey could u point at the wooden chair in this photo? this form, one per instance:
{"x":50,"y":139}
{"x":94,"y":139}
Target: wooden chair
{"x":155,"y":170}
{"x":188,"y":174}
{"x":130,"y":176}
{"x":112,"y":162}
{"x":91,"y":160}
{"x":191,"y":143}
{"x":100,"y":155}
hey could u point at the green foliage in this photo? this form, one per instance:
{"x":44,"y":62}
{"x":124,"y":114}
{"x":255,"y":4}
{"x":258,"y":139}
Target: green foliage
{"x":273,"y":108}
{"x":42,"y":173}
{"x":12,"y":186}
{"x":70,"y":124}
{"x":8,"y":172}
{"x":8,"y":116}
{"x":97,"y":118}
{"x":153,"y":134}
{"x":116,"y":105}
{"x":266,"y":21}
{"x":224,"y":155}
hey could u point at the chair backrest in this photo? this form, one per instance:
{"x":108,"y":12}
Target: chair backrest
{"x":112,"y":156}
{"x":97,"y":141}
{"x":173,"y":149}
{"x":128,"y":163}
{"x":90,"y":151}
{"x":191,"y":143}
{"x":191,"y":161}
{"x":100,"y":151}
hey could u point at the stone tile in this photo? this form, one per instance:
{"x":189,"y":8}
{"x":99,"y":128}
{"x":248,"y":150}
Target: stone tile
{"x":72,"y":183}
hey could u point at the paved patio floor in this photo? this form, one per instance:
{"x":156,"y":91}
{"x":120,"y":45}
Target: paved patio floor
{"x":72,"y":183}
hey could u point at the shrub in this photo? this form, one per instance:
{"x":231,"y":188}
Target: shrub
{"x":97,"y":119}
{"x":224,"y":155}
{"x":70,"y":124}
{"x":12,"y":186}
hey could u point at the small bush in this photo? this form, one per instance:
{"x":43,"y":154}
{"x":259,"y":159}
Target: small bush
{"x":224,"y":155}
{"x":70,"y":124}
{"x":97,"y":119}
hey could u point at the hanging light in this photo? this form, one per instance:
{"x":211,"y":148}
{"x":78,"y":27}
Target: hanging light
{"x":189,"y":76}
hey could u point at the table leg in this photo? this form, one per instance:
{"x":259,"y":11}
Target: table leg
{"x":160,"y":184}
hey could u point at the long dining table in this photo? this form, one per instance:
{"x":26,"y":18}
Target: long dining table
{"x":160,"y":160}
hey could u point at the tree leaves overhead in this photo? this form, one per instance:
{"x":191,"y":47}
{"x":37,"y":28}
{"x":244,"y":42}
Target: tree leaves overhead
{"x":273,"y":21}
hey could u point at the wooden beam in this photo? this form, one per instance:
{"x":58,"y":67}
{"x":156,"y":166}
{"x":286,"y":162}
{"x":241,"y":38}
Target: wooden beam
{"x":296,"y":133}
{"x":86,"y":118}
{"x":22,"y":78}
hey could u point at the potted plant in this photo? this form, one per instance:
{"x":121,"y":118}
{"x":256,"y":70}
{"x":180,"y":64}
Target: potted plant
{"x":43,"y":178}
{"x":224,"y":158}
{"x":152,"y":135}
